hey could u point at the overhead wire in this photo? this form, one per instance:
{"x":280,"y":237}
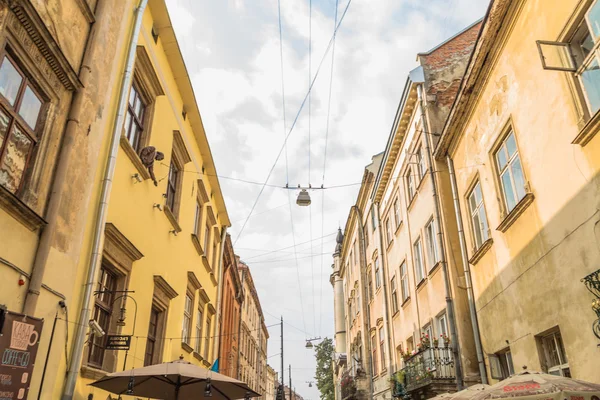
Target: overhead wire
{"x":288,"y":247}
{"x":325,"y":163}
{"x":294,"y":122}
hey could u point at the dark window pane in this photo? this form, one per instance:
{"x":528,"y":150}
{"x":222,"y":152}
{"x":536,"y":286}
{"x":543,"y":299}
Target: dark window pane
{"x":4,"y":121}
{"x":10,"y":81}
{"x":14,"y":160}
{"x":30,"y":107}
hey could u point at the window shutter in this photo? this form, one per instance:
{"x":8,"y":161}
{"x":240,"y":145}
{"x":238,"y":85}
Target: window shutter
{"x":495,"y":367}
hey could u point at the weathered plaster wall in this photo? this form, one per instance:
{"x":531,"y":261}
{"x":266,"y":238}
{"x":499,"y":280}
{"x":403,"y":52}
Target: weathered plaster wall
{"x":529,"y":280}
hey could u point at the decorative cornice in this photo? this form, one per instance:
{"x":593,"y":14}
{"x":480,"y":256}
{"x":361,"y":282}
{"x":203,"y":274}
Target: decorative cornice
{"x":147,"y":75}
{"x":194,"y":280}
{"x":118,"y":239}
{"x":211,"y":308}
{"x":202,"y":191}
{"x":163,"y":285}
{"x":179,"y":148}
{"x":25,"y":21}
{"x":203,"y":296}
{"x":211,"y":216}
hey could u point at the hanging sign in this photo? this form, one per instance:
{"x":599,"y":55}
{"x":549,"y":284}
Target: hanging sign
{"x":19,"y":340}
{"x":118,"y":342}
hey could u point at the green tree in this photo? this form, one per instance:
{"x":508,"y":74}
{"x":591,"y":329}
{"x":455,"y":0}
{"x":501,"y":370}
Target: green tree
{"x":324,"y":375}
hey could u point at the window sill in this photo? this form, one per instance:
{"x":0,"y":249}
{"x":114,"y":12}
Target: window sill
{"x":389,"y":245}
{"x":187,"y":347}
{"x":412,"y":201}
{"x":405,"y":302}
{"x":515,"y":212}
{"x":394,"y":315}
{"x":435,"y":268}
{"x":197,"y":356}
{"x":172,"y":219}
{"x":588,"y":131}
{"x":205,"y":363}
{"x":480,"y":252}
{"x":398,"y":228}
{"x":206,"y":264}
{"x":213,"y":279}
{"x":421,"y":284}
{"x":196,"y":242}
{"x":20,"y":211}
{"x":134,"y":157}
{"x":89,"y":372}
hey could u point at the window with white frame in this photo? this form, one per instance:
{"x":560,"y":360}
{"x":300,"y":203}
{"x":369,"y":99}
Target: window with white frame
{"x":579,"y":54}
{"x":410,"y":184}
{"x":421,"y":160}
{"x":394,"y":290}
{"x":481,"y":231}
{"x":442,"y":327}
{"x":382,"y":348}
{"x":377,"y":273}
{"x":418,"y":255}
{"x":397,"y":212}
{"x":432,"y":248}
{"x":510,"y":172}
{"x":199,"y":319}
{"x":388,"y":231}
{"x":187,"y":318}
{"x":370,"y":284}
{"x":501,"y":364}
{"x":554,"y":357}
{"x":404,"y":281}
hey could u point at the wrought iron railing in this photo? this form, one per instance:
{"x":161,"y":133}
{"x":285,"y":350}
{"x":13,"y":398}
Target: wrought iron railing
{"x":592,"y":283}
{"x":428,"y":365}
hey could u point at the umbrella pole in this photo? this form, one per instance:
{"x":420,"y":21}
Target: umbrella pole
{"x":177,"y":386}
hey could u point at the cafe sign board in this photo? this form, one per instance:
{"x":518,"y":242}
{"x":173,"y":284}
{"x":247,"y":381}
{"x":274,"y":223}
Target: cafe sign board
{"x":19,"y":340}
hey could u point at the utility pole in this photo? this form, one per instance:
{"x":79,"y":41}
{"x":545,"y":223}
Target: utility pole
{"x":291,"y":393}
{"x":282,"y":367}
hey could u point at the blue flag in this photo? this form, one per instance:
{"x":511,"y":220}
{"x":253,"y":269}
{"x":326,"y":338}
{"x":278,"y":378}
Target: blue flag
{"x":215,"y":366}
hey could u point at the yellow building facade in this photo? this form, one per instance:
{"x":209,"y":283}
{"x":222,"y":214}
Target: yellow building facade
{"x":82,"y":218}
{"x":522,"y":143}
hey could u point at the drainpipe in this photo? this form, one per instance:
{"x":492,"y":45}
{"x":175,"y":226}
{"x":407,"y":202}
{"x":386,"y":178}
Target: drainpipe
{"x":467,"y":271}
{"x":96,"y":253}
{"x":440,"y":240}
{"x":217,"y":327}
{"x":64,"y":162}
{"x":366,"y":313}
{"x":386,"y":315}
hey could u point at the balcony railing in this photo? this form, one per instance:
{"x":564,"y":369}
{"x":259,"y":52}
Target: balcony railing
{"x":427,"y":366}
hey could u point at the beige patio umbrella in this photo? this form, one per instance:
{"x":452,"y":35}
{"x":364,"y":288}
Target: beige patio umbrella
{"x":177,"y":380}
{"x":465,"y":394}
{"x":530,"y":385}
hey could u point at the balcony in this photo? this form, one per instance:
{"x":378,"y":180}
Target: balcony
{"x":354,"y":384}
{"x":430,"y":371}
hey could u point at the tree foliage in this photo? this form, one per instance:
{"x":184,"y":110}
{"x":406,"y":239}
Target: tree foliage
{"x":324,"y":375}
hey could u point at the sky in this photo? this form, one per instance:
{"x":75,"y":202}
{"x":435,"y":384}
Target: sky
{"x":233,"y":55}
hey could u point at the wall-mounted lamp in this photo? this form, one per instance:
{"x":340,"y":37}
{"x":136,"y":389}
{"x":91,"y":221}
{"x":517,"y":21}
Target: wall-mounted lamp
{"x":158,"y":206}
{"x":137,"y":177}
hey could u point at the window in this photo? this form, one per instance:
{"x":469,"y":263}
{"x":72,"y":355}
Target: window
{"x":373,"y":219}
{"x":207,"y":337}
{"x":134,"y":119}
{"x":418,"y":250}
{"x":199,"y":319}
{"x":207,"y":238}
{"x":442,"y":325}
{"x":370,"y":283}
{"x":382,"y":348}
{"x":478,"y":216}
{"x":198,"y":218}
{"x":187,"y":318}
{"x":388,"y":231}
{"x":103,"y":306}
{"x":215,"y":254}
{"x":397,"y":213}
{"x":377,"y":274}
{"x":501,"y":365}
{"x":421,"y":161}
{"x":394,"y":295}
{"x":555,"y":358}
{"x":410,"y":344}
{"x":510,"y":172}
{"x":152,"y":336}
{"x":404,"y":281}
{"x":374,"y":351}
{"x":410,"y":184}
{"x":172,"y":184}
{"x":580,"y":55}
{"x":366,"y":232}
{"x":355,"y":245}
{"x":351,"y":256}
{"x":432,"y":249}
{"x":20,"y":109}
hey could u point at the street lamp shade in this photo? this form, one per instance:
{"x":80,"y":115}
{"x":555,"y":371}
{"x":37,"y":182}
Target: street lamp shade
{"x":309,"y":344}
{"x":303,"y":199}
